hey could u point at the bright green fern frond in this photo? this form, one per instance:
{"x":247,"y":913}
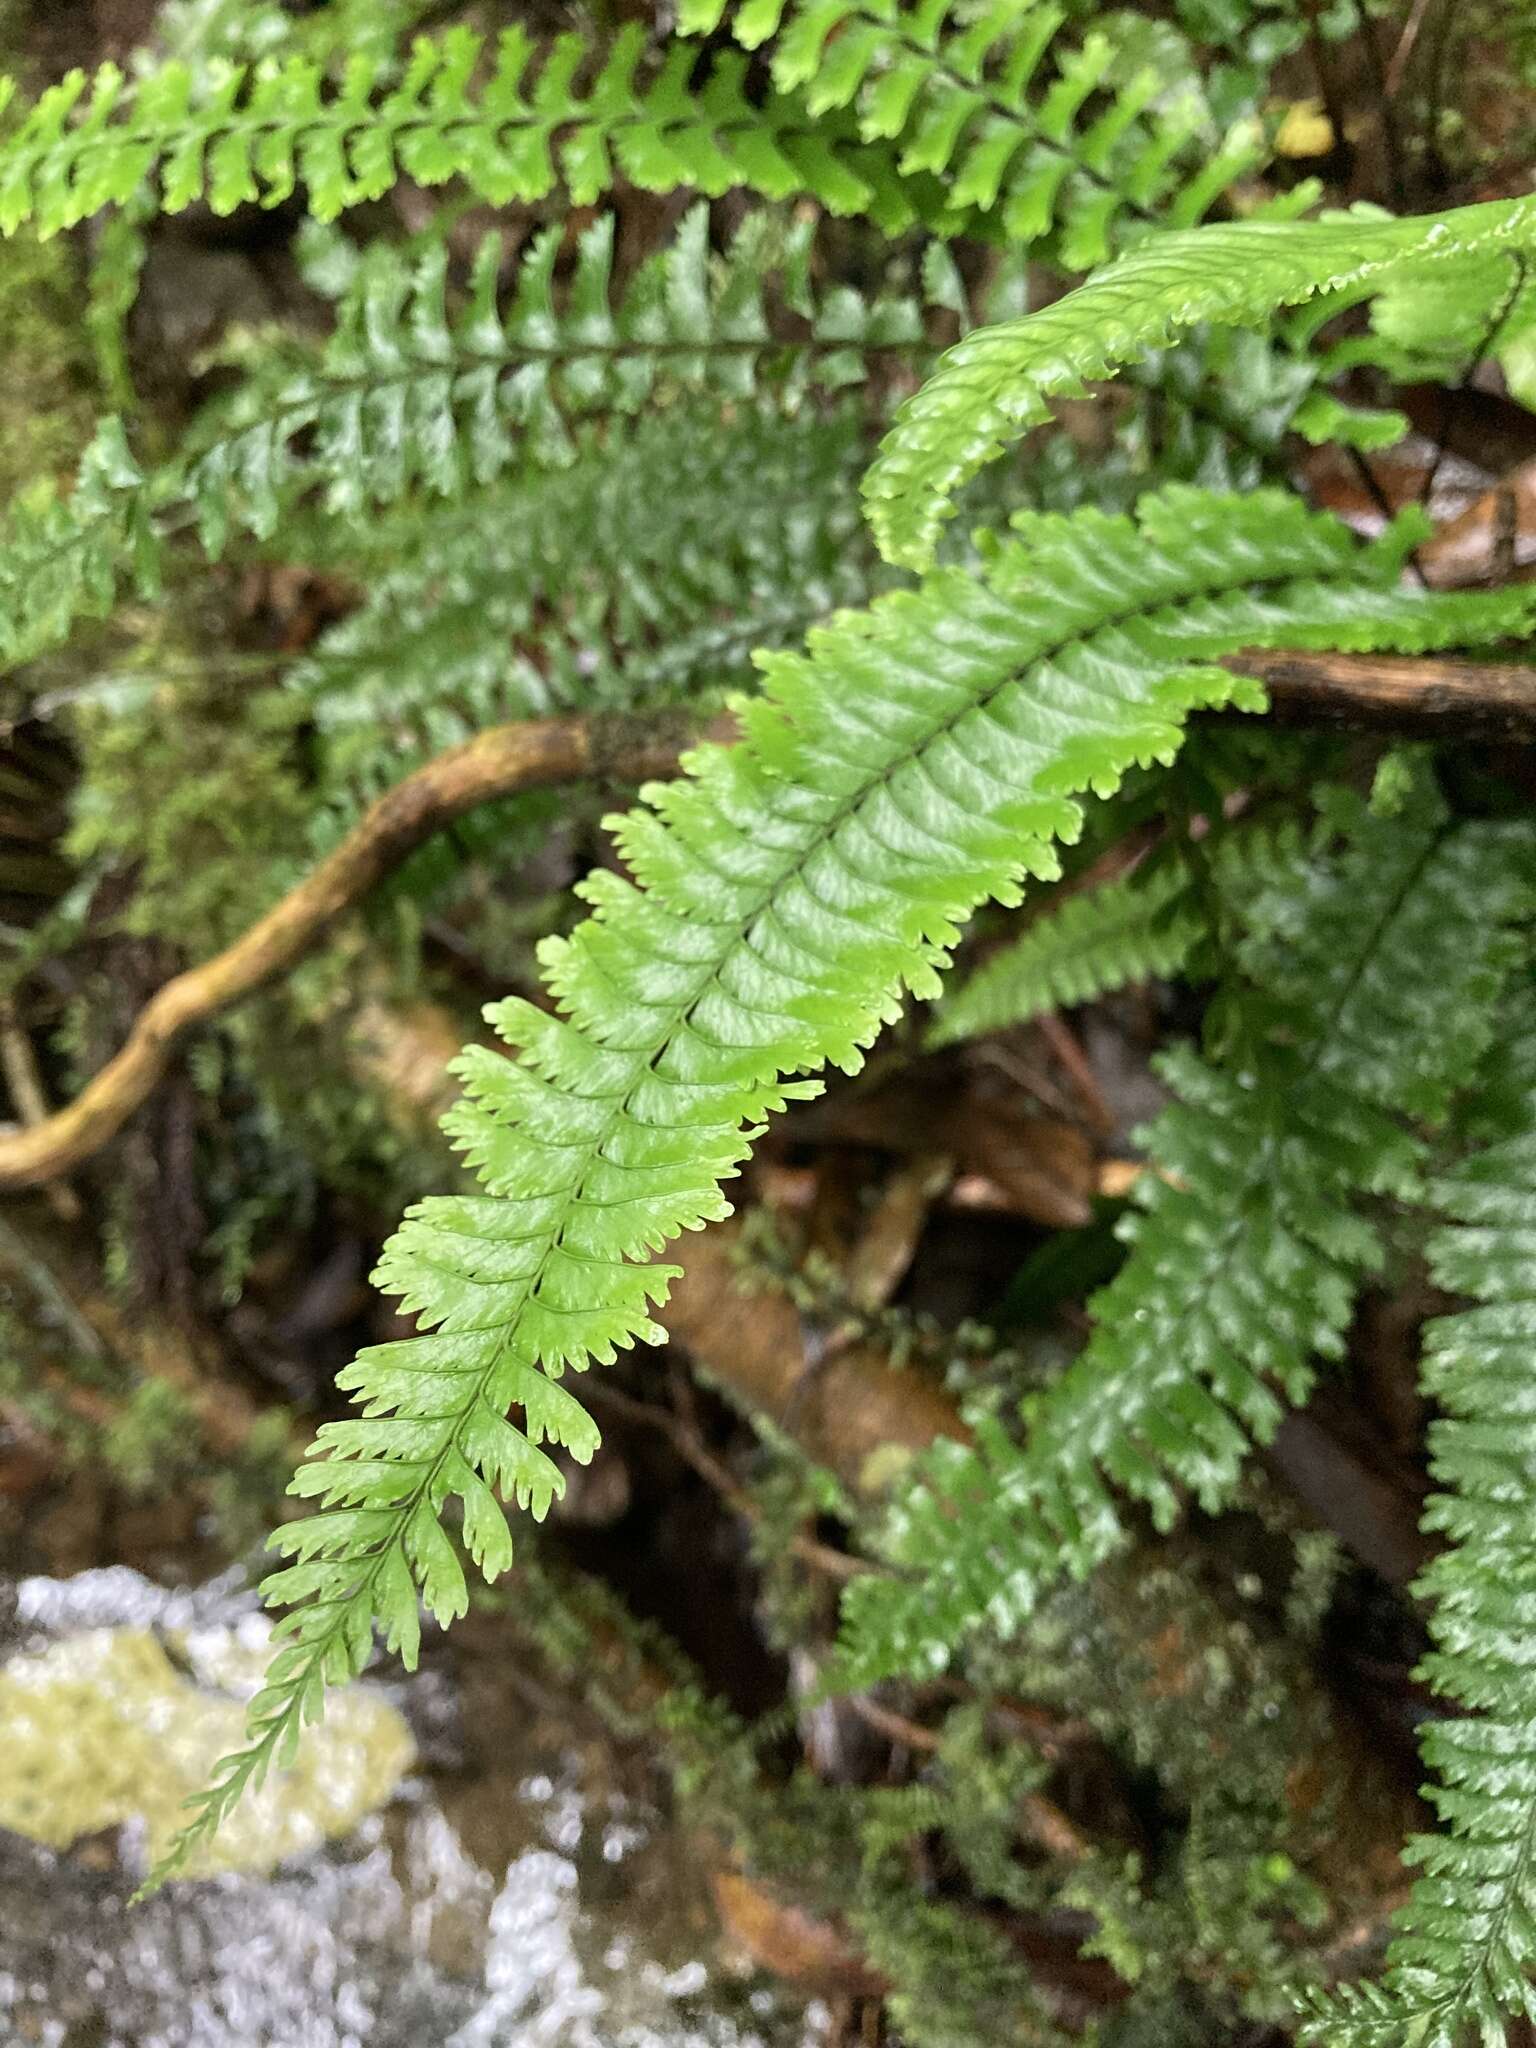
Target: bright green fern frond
{"x":921,"y":756}
{"x":1463,"y":1954}
{"x":1249,"y":1247}
{"x":1046,"y":132}
{"x":995,"y":384}
{"x":1123,"y":931}
{"x":512,"y":122}
{"x":415,"y":393}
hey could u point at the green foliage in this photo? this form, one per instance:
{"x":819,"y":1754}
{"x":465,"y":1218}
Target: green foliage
{"x":923,"y":755}
{"x":567,"y":483}
{"x":1463,"y":1948}
{"x":412,"y":393}
{"x":512,"y":129}
{"x":994,"y":384}
{"x":1369,"y":986}
{"x":641,"y":574}
{"x":1126,"y":930}
{"x":995,"y":103}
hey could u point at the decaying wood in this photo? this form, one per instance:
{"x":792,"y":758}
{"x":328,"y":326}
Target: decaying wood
{"x":856,"y":1414}
{"x":1409,"y":694}
{"x":537,"y":754}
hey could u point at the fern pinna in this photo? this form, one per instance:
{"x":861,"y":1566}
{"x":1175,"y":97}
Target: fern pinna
{"x":921,"y":756}
{"x":1464,"y":1948}
{"x":993,"y":103}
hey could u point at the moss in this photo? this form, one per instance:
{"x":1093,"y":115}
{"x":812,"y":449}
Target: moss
{"x":103,"y":1728}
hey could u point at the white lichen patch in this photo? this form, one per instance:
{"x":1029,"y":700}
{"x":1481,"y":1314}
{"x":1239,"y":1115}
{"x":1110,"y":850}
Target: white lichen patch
{"x":103,"y":1728}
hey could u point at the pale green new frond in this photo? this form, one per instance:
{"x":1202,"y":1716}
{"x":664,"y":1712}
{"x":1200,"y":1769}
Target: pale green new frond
{"x":1377,"y":993}
{"x":1125,"y":930}
{"x":996,"y":383}
{"x":416,"y":393}
{"x":1027,"y":124}
{"x":511,"y":121}
{"x":921,"y":756}
{"x":1462,"y":1963}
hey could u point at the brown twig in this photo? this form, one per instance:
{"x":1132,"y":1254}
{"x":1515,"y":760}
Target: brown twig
{"x":1480,"y":700}
{"x":1042,"y":1819}
{"x":18,"y":1062}
{"x":1398,"y":67}
{"x":498,"y":763}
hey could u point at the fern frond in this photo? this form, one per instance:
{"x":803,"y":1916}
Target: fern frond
{"x":995,"y":383}
{"x":412,"y":393}
{"x":1046,"y":133}
{"x":1463,"y":1954}
{"x":1377,"y":994}
{"x":644,"y":573}
{"x":922,"y":756}
{"x":511,"y":121}
{"x":1126,"y":930}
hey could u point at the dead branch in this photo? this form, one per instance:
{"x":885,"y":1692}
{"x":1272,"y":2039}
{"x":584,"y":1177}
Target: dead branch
{"x":1473,"y":700}
{"x":537,"y":754}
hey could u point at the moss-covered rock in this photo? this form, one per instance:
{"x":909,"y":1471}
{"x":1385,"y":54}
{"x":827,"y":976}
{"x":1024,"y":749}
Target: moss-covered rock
{"x":103,"y":1728}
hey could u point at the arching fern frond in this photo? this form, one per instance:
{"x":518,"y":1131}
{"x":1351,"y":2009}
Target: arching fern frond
{"x":1463,"y":1953}
{"x":921,"y":756}
{"x":1024,"y":122}
{"x":1123,"y":931}
{"x":996,"y":383}
{"x":1374,"y":992}
{"x":415,"y":393}
{"x":512,"y":123}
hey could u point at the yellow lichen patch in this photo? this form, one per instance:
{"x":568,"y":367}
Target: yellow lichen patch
{"x":103,"y":1728}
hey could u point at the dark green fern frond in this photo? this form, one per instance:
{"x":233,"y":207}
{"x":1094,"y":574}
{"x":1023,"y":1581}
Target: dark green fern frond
{"x":510,"y":121}
{"x":995,"y":383}
{"x":1045,"y":132}
{"x":415,"y":393}
{"x":1463,"y":1955}
{"x":1377,"y":994}
{"x":642,"y":574}
{"x":1126,"y":930}
{"x":922,"y":756}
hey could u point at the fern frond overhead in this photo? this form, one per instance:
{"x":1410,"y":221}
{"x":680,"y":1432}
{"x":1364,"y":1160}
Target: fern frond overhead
{"x":993,"y":103}
{"x":1377,"y":993}
{"x":1463,"y":1955}
{"x":511,"y":130}
{"x":922,"y":756}
{"x":1127,"y":930}
{"x":996,"y":383}
{"x":411,"y":393}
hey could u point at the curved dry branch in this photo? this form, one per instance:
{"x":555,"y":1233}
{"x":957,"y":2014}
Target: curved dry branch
{"x":537,"y":754}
